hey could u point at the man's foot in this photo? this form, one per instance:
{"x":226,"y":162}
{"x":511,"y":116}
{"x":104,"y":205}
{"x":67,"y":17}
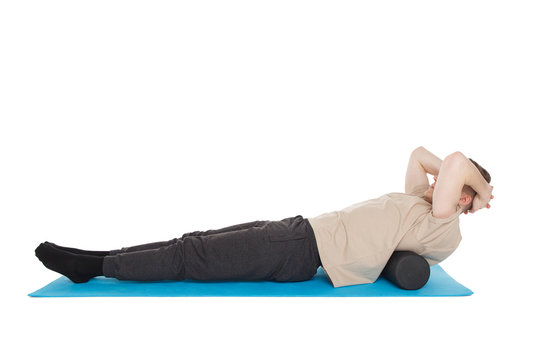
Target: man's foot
{"x":79,"y":251}
{"x":77,"y":267}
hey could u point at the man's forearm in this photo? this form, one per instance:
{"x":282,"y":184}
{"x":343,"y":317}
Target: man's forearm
{"x":428,"y":160}
{"x":474,"y":178}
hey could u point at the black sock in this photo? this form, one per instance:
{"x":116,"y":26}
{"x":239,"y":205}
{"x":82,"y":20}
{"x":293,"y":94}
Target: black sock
{"x":79,"y":251}
{"x":78,"y":268}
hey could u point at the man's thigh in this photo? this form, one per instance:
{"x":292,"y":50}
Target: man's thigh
{"x":237,"y":227}
{"x":233,"y":255}
{"x":277,"y":250}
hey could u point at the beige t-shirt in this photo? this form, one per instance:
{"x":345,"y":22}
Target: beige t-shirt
{"x":356,"y":242}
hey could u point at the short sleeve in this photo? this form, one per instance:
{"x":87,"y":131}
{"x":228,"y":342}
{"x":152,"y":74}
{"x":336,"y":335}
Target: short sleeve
{"x":439,"y":237}
{"x":419,"y":190}
{"x":432,"y":219}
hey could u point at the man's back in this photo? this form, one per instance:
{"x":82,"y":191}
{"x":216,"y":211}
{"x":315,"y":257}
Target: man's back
{"x":356,"y":242}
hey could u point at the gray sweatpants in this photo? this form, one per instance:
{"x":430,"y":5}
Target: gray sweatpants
{"x":283,"y":250}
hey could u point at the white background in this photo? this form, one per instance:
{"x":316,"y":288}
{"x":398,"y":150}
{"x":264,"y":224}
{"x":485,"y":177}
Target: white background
{"x":126,"y":122}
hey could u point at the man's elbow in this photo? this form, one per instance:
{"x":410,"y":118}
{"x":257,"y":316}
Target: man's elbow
{"x":455,"y":164}
{"x":456,"y":156}
{"x":418,"y":150}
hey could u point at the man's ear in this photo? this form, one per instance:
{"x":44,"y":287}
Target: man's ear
{"x":465,"y":199}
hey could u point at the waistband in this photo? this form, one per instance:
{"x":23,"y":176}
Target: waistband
{"x":313,"y":241}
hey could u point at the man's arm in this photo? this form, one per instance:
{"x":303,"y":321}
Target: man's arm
{"x":421,"y":162}
{"x":455,"y":172}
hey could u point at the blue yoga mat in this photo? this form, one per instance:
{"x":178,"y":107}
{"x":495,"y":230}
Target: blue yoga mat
{"x":439,"y":284}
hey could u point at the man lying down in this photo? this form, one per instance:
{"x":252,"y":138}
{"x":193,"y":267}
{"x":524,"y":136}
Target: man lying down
{"x":352,"y":245}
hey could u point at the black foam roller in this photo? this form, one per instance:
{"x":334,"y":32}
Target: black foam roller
{"x":407,"y":270}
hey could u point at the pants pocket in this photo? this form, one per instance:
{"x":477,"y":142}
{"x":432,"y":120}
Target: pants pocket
{"x":285,"y":230}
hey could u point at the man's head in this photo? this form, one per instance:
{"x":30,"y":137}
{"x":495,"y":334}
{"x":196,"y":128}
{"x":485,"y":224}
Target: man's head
{"x":467,"y":193}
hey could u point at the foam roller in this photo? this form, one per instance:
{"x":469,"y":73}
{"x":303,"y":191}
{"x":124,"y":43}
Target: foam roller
{"x":407,"y":270}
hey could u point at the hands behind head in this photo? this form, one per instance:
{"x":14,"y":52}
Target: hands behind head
{"x":480,"y":202}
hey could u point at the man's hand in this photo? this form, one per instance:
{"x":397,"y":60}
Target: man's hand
{"x":480,"y":202}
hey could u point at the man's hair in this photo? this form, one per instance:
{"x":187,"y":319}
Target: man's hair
{"x":486,"y":176}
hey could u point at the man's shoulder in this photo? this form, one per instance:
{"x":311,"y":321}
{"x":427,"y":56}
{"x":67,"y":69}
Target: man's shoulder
{"x":419,"y":190}
{"x":453,"y":219}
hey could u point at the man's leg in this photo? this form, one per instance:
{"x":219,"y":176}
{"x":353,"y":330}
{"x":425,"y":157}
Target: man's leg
{"x":200,"y":255}
{"x":241,"y":226}
{"x":283,"y":250}
{"x":243,"y":254}
{"x":162,"y":263}
{"x":277,"y":250}
{"x":240,"y":254}
{"x":158,"y":244}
